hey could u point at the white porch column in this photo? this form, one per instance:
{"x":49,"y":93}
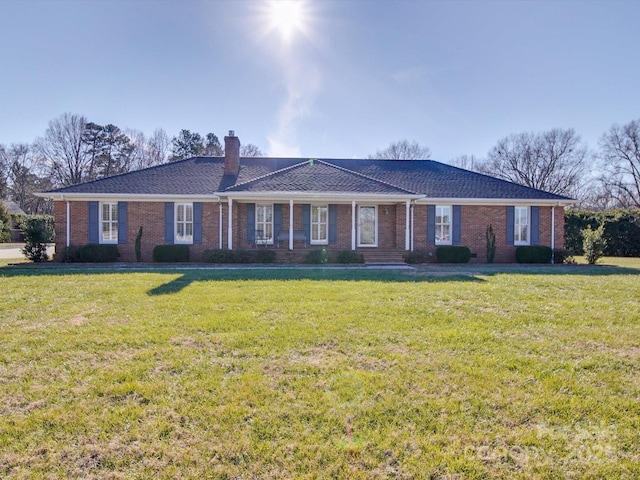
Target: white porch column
{"x":553,"y":230}
{"x":220,"y":225}
{"x":353,"y":225}
{"x":230,"y":232}
{"x":407,"y":230}
{"x":290,"y":224}
{"x":413,"y":228}
{"x":68,"y":225}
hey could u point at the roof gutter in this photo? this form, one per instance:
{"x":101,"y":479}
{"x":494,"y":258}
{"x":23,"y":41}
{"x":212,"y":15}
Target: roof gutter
{"x":497,"y":201}
{"x":318,"y":196}
{"x":213,"y":198}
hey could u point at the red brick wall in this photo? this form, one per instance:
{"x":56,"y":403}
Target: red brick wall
{"x":149,"y":215}
{"x":391,"y":228}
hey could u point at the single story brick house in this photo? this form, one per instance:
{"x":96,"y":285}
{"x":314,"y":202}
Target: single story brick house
{"x":381,"y":208}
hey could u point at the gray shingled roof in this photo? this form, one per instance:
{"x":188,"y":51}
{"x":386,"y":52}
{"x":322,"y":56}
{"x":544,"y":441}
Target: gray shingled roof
{"x":205,"y":176}
{"x":317,"y":176}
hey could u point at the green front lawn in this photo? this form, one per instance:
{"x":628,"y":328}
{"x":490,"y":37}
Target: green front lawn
{"x":466,"y":372}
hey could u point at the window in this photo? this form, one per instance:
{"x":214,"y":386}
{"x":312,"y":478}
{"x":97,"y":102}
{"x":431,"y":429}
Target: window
{"x":184,"y":223}
{"x":319,"y":224}
{"x":264,"y":223}
{"x":443,"y":225}
{"x":109,"y":222}
{"x":521,"y":226}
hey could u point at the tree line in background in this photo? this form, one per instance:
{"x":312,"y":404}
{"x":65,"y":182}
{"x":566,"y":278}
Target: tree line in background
{"x":74,"y":150}
{"x":559,"y":162}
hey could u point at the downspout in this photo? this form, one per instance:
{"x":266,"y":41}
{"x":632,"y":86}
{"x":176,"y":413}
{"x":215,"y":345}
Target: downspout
{"x":220,"y":225}
{"x":553,"y":230}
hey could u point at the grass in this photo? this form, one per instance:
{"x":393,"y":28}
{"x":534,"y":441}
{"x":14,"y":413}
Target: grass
{"x":463,"y":372}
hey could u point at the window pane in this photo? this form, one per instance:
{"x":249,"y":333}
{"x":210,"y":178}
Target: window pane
{"x":180,"y":214}
{"x":189,"y":213}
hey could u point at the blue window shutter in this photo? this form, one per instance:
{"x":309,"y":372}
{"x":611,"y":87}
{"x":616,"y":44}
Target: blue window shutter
{"x":169,"y":226}
{"x":431,"y":224}
{"x":306,"y":219}
{"x":510,"y":224}
{"x":333,"y":223}
{"x":93,"y":222}
{"x":277,"y":219}
{"x":457,"y":224}
{"x":197,"y":222}
{"x":251,"y":222}
{"x":122,"y":222}
{"x":535,"y":225}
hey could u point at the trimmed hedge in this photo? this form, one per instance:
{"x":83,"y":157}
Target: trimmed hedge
{"x":534,"y":254}
{"x":265,"y":256}
{"x":453,"y":254}
{"x":317,"y":257}
{"x":418,"y":256}
{"x":562,"y":255}
{"x":349,"y":256}
{"x":92,"y":253}
{"x":171,"y":253}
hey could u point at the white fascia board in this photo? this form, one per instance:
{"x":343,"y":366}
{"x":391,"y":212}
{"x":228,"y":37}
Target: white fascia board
{"x":127,"y":197}
{"x":496,"y":201}
{"x":316,"y":197}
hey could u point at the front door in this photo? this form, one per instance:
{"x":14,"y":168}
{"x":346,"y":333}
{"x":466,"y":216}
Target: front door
{"x":367,"y":226}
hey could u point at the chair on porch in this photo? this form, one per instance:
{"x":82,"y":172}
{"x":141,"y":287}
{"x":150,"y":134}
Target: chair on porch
{"x":260,"y":239}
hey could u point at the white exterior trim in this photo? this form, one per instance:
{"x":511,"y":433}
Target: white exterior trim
{"x":290,"y":226}
{"x":230,"y":229}
{"x":507,"y":202}
{"x":122,"y":197}
{"x":407,"y":227}
{"x":353,"y":225}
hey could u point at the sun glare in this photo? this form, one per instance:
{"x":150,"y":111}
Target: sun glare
{"x":287,"y":17}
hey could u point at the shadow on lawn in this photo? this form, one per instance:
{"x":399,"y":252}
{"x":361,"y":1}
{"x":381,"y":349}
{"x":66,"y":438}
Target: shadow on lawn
{"x":425,"y":273}
{"x":177,"y":284}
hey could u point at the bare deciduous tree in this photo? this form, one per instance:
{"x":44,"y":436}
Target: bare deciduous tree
{"x":148,"y":152}
{"x":403,"y":150}
{"x":64,"y":151}
{"x":4,"y":172}
{"x":468,"y":162}
{"x":250,"y":150}
{"x":620,"y":153}
{"x":553,"y":161}
{"x":25,"y":179}
{"x":158,"y":145}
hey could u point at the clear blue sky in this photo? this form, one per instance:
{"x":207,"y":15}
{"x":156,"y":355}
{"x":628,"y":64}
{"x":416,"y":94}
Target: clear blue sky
{"x":352,"y":77}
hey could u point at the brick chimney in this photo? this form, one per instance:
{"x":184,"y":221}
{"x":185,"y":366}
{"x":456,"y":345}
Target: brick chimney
{"x":231,"y":154}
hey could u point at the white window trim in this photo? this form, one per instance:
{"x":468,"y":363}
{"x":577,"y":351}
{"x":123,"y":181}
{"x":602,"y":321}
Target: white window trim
{"x":324,"y":241}
{"x":176,"y":238}
{"x":375,"y":217}
{"x":450,"y":215}
{"x":101,"y":220}
{"x":268,"y":241}
{"x":516,"y":226}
